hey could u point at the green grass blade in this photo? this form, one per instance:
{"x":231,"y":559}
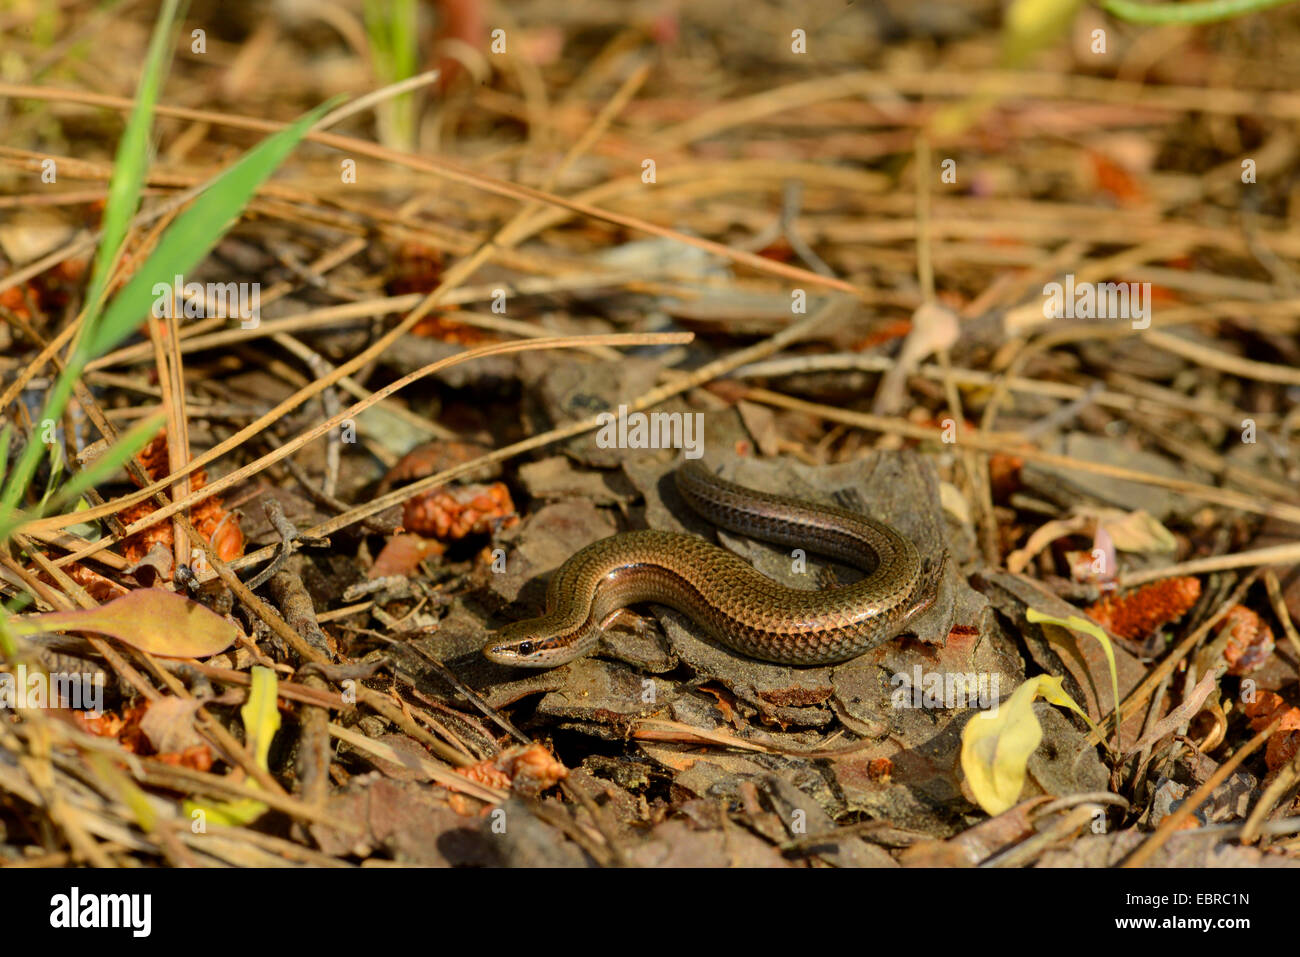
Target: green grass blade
{"x":132,"y":161}
{"x":6,"y":437}
{"x":129,"y":168}
{"x":391,"y":27}
{"x":197,"y":230}
{"x":107,"y":464}
{"x":183,"y":245}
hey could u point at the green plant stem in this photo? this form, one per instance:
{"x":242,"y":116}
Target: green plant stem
{"x":1204,"y":12}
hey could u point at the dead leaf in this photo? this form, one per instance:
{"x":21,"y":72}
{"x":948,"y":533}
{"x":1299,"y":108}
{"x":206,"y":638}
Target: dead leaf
{"x":402,"y":555}
{"x":169,"y":724}
{"x":160,"y":622}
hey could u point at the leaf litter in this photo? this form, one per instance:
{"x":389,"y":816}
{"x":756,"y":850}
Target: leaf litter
{"x":849,"y":322}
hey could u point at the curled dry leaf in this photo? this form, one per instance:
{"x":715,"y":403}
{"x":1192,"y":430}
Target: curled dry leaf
{"x":1043,"y":536}
{"x":154,"y":567}
{"x":168,"y":723}
{"x":1136,"y":531}
{"x":160,"y":622}
{"x":934,"y":327}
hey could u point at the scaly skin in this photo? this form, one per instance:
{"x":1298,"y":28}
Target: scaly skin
{"x":734,"y":603}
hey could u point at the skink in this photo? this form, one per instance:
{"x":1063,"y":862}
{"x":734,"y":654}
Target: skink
{"x":735,"y":604}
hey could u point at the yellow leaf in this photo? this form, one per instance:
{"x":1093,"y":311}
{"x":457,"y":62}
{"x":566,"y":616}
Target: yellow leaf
{"x":261,"y":721}
{"x":1053,"y":691}
{"x":1084,"y":626}
{"x":996,"y":745}
{"x":1031,"y":25}
{"x":260,"y":714}
{"x":230,"y":813}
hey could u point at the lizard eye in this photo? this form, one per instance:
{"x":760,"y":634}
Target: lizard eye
{"x":525,"y":647}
